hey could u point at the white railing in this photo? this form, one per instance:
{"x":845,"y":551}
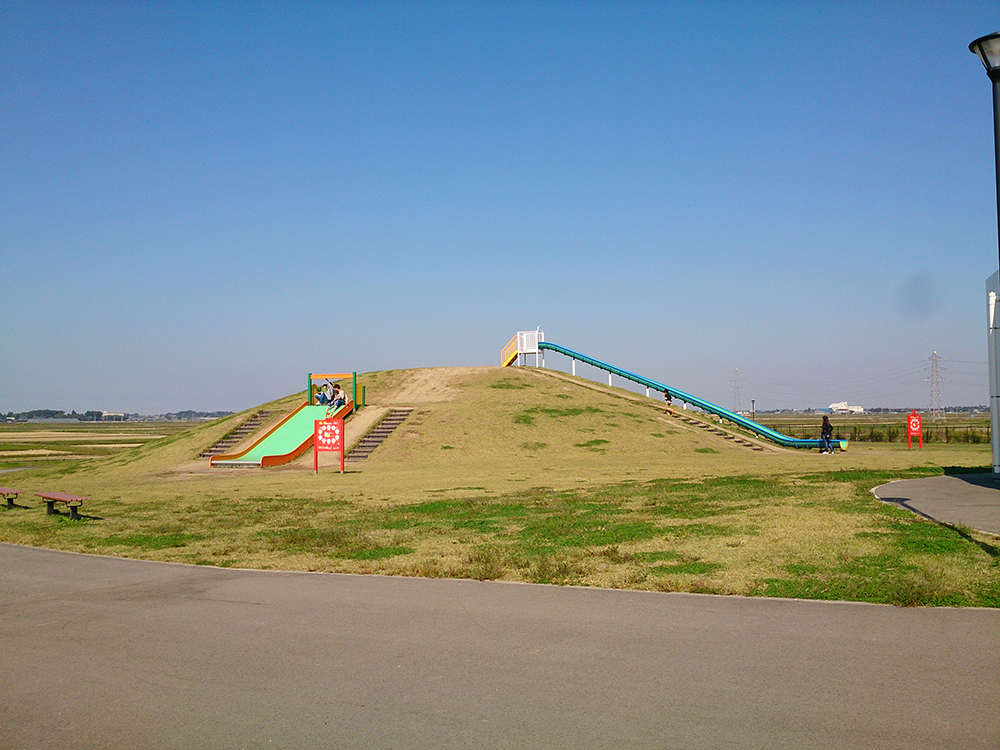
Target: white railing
{"x":524,"y":342}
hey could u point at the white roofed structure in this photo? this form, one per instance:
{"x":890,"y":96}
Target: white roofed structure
{"x":842,"y":407}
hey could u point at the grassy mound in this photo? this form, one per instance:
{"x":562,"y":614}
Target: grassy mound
{"x":531,"y":475}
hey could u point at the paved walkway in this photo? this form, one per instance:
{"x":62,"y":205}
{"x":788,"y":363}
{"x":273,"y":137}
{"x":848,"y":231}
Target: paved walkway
{"x":971,"y":500}
{"x":105,"y":653}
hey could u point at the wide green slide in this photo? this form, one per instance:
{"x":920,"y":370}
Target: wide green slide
{"x":286,"y":442}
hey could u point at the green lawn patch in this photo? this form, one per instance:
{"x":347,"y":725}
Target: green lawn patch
{"x":596,"y":443}
{"x":510,"y":385}
{"x":378,"y":553}
{"x":695,"y":568}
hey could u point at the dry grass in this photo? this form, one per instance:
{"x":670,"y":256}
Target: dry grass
{"x":528,"y":475}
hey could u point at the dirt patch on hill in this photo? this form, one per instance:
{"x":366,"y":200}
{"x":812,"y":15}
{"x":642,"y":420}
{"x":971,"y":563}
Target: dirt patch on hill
{"x":431,"y":385}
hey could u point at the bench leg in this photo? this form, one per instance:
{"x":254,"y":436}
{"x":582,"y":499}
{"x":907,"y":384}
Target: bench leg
{"x":10,"y":503}
{"x":50,"y":509}
{"x":73,"y":515}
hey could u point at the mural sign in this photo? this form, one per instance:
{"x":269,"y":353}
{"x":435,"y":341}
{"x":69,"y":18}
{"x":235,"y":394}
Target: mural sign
{"x":913,"y":430}
{"x":328,"y":435}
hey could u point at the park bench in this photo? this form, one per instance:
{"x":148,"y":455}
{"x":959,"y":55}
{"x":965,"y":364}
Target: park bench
{"x":10,"y":495}
{"x":72,"y":502}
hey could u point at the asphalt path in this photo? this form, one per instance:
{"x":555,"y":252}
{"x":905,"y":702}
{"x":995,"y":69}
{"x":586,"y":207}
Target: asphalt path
{"x":971,"y":500}
{"x":107,"y":653}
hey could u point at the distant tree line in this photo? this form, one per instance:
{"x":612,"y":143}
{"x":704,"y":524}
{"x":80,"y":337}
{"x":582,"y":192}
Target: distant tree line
{"x":883,"y":410}
{"x":98,"y":416}
{"x":23,"y":416}
{"x":946,"y":410}
{"x":187,"y":415}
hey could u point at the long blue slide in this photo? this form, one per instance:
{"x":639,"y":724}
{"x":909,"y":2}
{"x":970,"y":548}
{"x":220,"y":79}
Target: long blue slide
{"x":759,"y":429}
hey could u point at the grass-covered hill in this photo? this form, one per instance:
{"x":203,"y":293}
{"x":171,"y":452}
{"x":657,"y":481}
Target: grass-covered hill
{"x":531,"y":475}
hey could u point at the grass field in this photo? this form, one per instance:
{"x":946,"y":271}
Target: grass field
{"x":522,"y":475}
{"x":26,"y":444}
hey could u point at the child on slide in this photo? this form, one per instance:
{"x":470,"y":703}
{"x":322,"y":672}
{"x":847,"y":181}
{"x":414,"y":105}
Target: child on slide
{"x":324,"y":395}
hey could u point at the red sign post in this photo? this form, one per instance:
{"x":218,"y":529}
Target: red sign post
{"x":328,"y":435}
{"x":913,"y":430}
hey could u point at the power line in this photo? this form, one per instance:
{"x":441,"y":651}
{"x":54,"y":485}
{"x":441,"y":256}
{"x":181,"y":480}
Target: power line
{"x":937,"y":403}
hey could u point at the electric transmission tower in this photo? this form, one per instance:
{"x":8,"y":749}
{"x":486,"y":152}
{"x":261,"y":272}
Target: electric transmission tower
{"x":737,"y":392}
{"x":935,"y":379}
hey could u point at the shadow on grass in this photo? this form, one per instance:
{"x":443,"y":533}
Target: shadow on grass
{"x":962,"y":472}
{"x":986,"y":547}
{"x":989,"y":549}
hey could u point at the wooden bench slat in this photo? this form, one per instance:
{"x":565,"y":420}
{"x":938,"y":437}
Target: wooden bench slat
{"x":61,"y":496}
{"x":51,"y":498}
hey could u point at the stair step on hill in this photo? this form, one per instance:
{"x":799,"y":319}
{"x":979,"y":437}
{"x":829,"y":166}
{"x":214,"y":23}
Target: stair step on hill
{"x":378,"y":434}
{"x":227,"y":442}
{"x":717,"y":431}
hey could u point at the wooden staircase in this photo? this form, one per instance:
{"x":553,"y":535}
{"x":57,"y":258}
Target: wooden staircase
{"x":237,"y":435}
{"x":715,"y":430}
{"x":377,"y":435}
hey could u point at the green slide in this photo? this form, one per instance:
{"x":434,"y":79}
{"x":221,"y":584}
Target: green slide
{"x":288,"y":440}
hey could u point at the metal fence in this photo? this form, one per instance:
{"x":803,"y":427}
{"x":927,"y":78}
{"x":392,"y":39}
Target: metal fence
{"x":963,"y":430}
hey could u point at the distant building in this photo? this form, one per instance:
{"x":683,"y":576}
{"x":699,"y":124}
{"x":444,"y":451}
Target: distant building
{"x":843,"y":408}
{"x":113,"y":416}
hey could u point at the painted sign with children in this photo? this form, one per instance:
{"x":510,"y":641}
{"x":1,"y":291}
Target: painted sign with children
{"x":328,"y":436}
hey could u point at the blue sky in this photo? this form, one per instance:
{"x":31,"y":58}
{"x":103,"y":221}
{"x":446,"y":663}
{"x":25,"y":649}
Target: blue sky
{"x":202,"y":202}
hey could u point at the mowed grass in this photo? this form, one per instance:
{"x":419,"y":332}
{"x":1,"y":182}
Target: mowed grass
{"x":22,"y":444}
{"x":522,"y":475}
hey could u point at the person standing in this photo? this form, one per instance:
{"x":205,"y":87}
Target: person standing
{"x":826,"y":435}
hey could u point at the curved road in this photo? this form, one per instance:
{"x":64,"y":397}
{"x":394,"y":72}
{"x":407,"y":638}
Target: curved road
{"x":107,"y":653}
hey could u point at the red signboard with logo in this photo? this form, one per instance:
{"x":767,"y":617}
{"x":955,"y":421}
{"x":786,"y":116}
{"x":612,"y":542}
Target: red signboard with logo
{"x":913,"y":430}
{"x":328,"y":435}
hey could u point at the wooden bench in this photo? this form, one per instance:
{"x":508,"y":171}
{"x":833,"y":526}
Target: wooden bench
{"x":10,"y":495}
{"x":72,"y":502}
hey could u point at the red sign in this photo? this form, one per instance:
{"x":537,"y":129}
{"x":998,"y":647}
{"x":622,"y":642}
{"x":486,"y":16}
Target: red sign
{"x":328,"y":435}
{"x":913,"y":430}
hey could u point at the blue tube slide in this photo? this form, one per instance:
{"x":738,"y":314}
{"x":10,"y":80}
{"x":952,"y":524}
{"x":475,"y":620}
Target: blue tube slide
{"x":759,"y":429}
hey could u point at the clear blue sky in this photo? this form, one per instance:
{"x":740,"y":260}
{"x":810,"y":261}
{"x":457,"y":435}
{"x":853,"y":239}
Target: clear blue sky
{"x":202,"y":202}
